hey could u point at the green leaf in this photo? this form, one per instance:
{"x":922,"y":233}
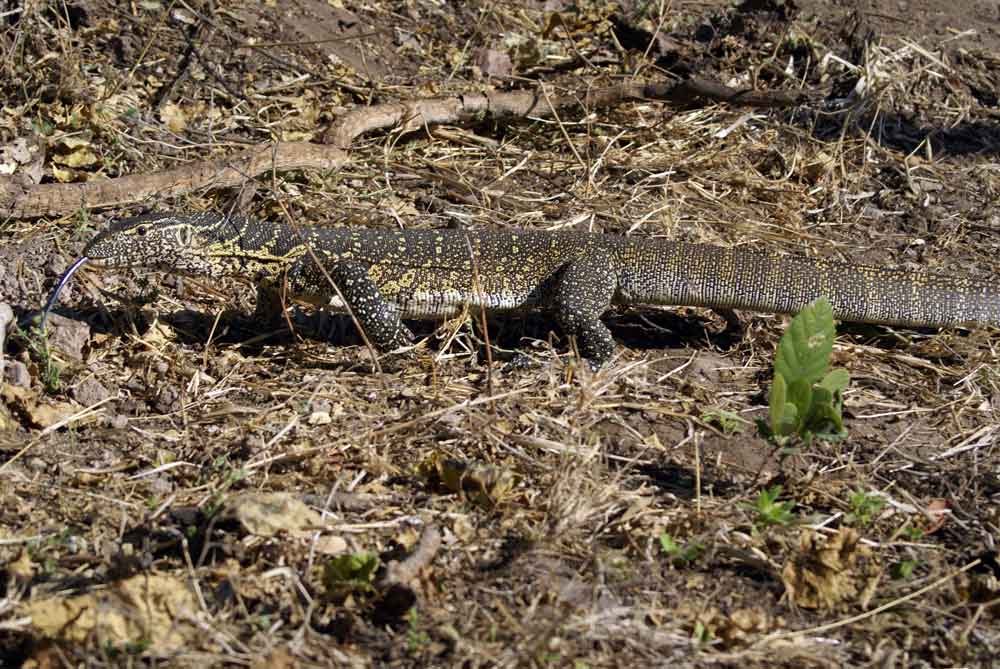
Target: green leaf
{"x":344,"y":574}
{"x":681,"y":555}
{"x":836,"y":381}
{"x":784,"y":416}
{"x":800,"y":393}
{"x":825,"y":418}
{"x":730,"y":422}
{"x":804,"y":349}
{"x":776,"y":402}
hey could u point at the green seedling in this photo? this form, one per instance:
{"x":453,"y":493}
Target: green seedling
{"x":701,"y":634}
{"x":37,"y":343}
{"x":680,"y":555}
{"x":416,"y":638}
{"x":864,"y":508}
{"x":728,"y":422}
{"x":769,"y":510}
{"x":903,"y":569}
{"x":806,"y":397}
{"x":352,"y":573}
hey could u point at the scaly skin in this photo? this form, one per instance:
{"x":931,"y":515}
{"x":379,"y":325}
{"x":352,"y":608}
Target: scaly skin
{"x":386,"y":275}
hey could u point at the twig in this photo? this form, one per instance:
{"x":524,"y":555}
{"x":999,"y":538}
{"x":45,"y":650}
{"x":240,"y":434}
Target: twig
{"x":18,"y":201}
{"x":402,"y":572}
{"x":413,"y":115}
{"x":478,"y":289}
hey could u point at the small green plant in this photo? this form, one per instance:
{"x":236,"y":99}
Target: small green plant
{"x":351,"y":573}
{"x":903,"y":569}
{"x":806,"y":397}
{"x":138,"y":647}
{"x":218,"y":500}
{"x":680,"y":555}
{"x":728,"y":422}
{"x":864,"y":508}
{"x":416,"y":638}
{"x":769,"y":510}
{"x":37,"y":343}
{"x":701,"y":634}
{"x":43,"y":126}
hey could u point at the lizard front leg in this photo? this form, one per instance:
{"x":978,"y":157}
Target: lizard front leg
{"x":582,"y":294}
{"x":376,"y":315}
{"x":269,"y":307}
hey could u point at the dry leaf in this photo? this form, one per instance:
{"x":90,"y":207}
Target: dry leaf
{"x":267,"y":514}
{"x":493,"y":63}
{"x":174,"y":117}
{"x":24,"y":402}
{"x":25,"y":157}
{"x":826,"y":571}
{"x":159,"y":335}
{"x":148,"y":608}
{"x":279,"y":658}
{"x":480,"y":483}
{"x":937,"y":509}
{"x":331,"y":544}
{"x":47,"y":415}
{"x":22,"y":569}
{"x":64,"y":176}
{"x":74,"y":151}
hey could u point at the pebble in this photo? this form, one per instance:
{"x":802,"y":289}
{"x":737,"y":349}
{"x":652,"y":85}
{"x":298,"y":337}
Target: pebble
{"x":6,"y":318}
{"x":16,"y":374}
{"x":89,"y":392}
{"x":68,"y":336}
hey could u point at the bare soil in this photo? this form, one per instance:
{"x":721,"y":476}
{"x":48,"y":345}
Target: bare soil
{"x":180,"y":488}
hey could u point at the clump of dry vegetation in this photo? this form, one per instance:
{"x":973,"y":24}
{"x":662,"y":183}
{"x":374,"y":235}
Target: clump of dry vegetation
{"x":179,"y":487}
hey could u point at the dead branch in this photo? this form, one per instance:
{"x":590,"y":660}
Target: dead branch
{"x":18,"y":201}
{"x":416,"y":114}
{"x":402,"y":572}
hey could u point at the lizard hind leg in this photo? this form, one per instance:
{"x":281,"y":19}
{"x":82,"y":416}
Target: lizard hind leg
{"x":581,"y":295}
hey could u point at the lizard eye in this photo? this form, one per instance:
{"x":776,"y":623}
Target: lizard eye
{"x":141,"y":230}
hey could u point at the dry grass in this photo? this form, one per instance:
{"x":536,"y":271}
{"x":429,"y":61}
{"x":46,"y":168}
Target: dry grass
{"x":550,"y":552}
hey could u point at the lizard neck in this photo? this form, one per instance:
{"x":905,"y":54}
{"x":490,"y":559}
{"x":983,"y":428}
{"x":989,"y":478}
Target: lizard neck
{"x":264,"y":249}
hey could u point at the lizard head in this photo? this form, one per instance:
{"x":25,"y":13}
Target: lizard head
{"x":199,"y":244}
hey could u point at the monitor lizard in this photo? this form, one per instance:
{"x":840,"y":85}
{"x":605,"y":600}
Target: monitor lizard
{"x":388,"y":275}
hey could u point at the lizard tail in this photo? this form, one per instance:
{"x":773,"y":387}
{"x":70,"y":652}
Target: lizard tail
{"x":664,"y":273}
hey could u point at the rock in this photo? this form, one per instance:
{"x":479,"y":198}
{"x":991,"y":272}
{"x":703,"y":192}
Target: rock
{"x":168,"y":400}
{"x":6,"y":318}
{"x":89,"y":392}
{"x":67,"y":336}
{"x":493,"y":63}
{"x":16,"y":374}
{"x":319,"y":418}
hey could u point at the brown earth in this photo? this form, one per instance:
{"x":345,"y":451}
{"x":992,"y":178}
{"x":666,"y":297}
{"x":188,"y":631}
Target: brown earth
{"x":178,"y":488}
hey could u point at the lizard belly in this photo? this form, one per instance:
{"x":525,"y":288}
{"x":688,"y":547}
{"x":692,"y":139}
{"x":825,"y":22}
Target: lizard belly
{"x":448,"y":303}
{"x":441,"y":303}
{"x":445,"y":292}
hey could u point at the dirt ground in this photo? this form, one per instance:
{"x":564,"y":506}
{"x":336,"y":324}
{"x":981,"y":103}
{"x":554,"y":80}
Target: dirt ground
{"x":179,"y":488}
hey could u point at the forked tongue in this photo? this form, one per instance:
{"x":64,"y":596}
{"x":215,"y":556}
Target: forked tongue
{"x":63,"y":280}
